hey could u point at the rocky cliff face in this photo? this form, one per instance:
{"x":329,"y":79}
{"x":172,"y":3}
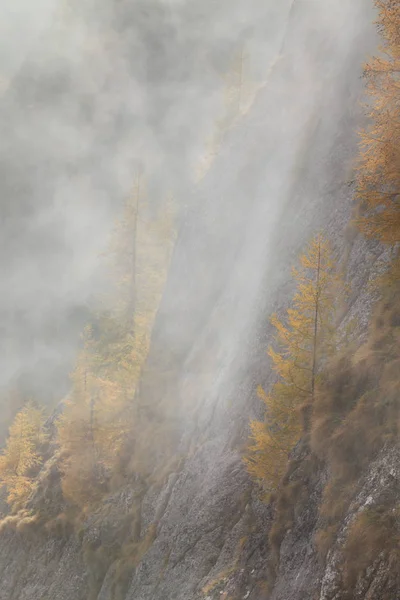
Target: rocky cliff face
{"x":283,"y":171}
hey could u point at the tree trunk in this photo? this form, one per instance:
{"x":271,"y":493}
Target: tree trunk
{"x":132,"y":294}
{"x":308,"y":408}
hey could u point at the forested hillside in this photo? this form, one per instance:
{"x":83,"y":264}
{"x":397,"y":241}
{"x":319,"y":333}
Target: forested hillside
{"x":201,"y":384}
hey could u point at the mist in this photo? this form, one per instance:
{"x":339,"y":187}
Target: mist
{"x":92,"y":90}
{"x":163,"y":166}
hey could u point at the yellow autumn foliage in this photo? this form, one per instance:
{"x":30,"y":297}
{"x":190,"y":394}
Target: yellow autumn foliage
{"x":103,"y":406}
{"x":303,"y":340}
{"x":239,"y":92}
{"x":378,"y":186}
{"x":91,"y":427}
{"x":21,"y":458}
{"x":139,"y":257}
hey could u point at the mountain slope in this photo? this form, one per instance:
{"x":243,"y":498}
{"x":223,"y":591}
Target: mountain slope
{"x":282,"y":172}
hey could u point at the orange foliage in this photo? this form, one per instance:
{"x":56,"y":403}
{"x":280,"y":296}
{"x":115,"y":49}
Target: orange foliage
{"x":303,"y":342}
{"x":379,"y":169}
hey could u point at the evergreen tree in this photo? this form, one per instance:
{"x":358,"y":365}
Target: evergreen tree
{"x":303,"y":342}
{"x":21,"y":458}
{"x":91,"y":427}
{"x":236,"y":83}
{"x":124,"y":250}
{"x":379,"y":170}
{"x":239,"y":91}
{"x":103,"y":406}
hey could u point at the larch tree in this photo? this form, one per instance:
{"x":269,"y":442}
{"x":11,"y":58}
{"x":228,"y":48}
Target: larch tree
{"x":156,"y":239}
{"x":240,"y":87}
{"x":22,"y":456}
{"x":102,"y":409}
{"x":378,"y":176}
{"x":303,"y":341}
{"x":91,"y":427}
{"x":235,"y":83}
{"x":239,"y":91}
{"x":139,"y":256}
{"x":124,"y":250}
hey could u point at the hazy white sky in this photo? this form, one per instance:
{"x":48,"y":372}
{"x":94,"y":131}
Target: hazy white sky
{"x":94,"y":87}
{"x":21,"y":23}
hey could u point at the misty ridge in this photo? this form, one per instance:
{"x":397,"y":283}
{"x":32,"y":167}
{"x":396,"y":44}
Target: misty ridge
{"x":88,"y":93}
{"x":199,"y":317}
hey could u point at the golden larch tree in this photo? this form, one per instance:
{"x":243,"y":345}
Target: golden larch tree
{"x":22,"y":456}
{"x":239,"y":92}
{"x":378,"y":177}
{"x":103,"y":405}
{"x":91,"y":427}
{"x":303,"y":341}
{"x":139,"y":256}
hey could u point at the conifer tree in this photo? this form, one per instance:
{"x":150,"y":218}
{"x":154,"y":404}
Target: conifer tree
{"x":139,"y":260}
{"x":378,"y":185}
{"x":91,"y":427}
{"x":235,"y":83}
{"x":239,"y":91}
{"x":22,"y":456}
{"x":102,"y":408}
{"x":124,"y":249}
{"x":303,"y":342}
{"x":240,"y":88}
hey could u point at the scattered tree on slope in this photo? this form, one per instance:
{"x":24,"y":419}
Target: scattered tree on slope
{"x":22,"y":455}
{"x":91,"y":428}
{"x":103,"y":407}
{"x":239,"y":92}
{"x":379,"y":168}
{"x":356,"y":413}
{"x":304,"y":342}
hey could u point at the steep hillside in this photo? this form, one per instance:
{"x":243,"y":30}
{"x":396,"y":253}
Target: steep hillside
{"x":198,"y":530}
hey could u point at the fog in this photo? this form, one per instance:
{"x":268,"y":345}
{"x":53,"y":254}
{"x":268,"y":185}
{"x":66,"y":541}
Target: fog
{"x":89,"y":91}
